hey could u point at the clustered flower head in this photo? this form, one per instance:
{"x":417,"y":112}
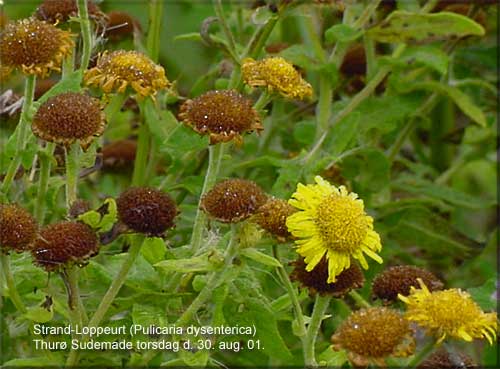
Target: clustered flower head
{"x":399,"y":279}
{"x":233,"y":200}
{"x":146,"y":210}
{"x":117,"y":70}
{"x":55,"y":11}
{"x":316,"y":281}
{"x":278,"y":75}
{"x":34,"y":46}
{"x":18,"y":229}
{"x":63,"y":244}
{"x":442,"y":359}
{"x":332,"y":223}
{"x":373,"y":334}
{"x":222,"y":114}
{"x":68,"y":117}
{"x":272,"y":217}
{"x":449,"y":313}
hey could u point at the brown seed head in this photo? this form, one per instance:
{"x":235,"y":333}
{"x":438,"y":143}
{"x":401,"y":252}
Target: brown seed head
{"x":120,"y":25}
{"x":118,"y":69}
{"x":68,"y":117}
{"x":443,"y":359}
{"x":222,"y":114}
{"x":64,"y":243}
{"x":34,"y":47}
{"x":399,"y":279}
{"x":272,"y":217}
{"x":119,"y":154}
{"x":233,"y":200}
{"x":371,"y":335}
{"x":146,"y":210}
{"x":316,"y":280}
{"x":17,"y":228}
{"x":354,"y":62}
{"x":54,"y":11}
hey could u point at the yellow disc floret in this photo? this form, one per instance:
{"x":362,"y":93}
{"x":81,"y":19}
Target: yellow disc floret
{"x":332,"y":221}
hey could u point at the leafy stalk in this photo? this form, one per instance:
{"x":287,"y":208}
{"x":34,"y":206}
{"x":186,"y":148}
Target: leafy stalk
{"x":155,"y":19}
{"x":43,"y":181}
{"x":86,"y":31}
{"x":320,"y":306}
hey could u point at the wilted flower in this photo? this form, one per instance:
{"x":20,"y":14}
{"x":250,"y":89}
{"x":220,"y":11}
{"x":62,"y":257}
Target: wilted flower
{"x":451,"y":313}
{"x":233,"y":200}
{"x":442,"y":359}
{"x":17,"y":228}
{"x":278,"y":75}
{"x":223,"y":115}
{"x":68,"y":117}
{"x":371,"y":335}
{"x":272,"y":217}
{"x":332,"y":222}
{"x":118,"y":69}
{"x":34,"y":47}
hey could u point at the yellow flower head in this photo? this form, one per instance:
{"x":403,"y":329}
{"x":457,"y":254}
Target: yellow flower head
{"x":117,"y":70}
{"x":35,"y":47}
{"x":332,"y":221}
{"x":449,"y":313}
{"x":278,"y":75}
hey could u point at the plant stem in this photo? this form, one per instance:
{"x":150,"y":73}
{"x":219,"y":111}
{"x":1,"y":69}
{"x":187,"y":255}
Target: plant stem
{"x":215,"y":157}
{"x":213,"y":282}
{"x":83,"y":13}
{"x":320,"y":306}
{"x":22,"y":130}
{"x":155,"y":18}
{"x":141,"y":156}
{"x":323,"y":109}
{"x":43,"y":181}
{"x":359,"y":299}
{"x":110,"y":294}
{"x":370,"y":56}
{"x":11,"y":285}
{"x":225,"y":28}
{"x":75,"y":304}
{"x":114,"y":106}
{"x":418,"y":358}
{"x":72,"y":169}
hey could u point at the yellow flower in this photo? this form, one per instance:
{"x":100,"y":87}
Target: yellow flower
{"x":332,"y":221}
{"x":117,"y":70}
{"x":278,"y":75}
{"x":449,"y":313}
{"x":35,"y":47}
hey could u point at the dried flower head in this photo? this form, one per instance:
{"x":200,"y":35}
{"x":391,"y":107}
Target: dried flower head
{"x":272,"y":217}
{"x":233,"y":200}
{"x":276,"y":74}
{"x":371,"y":335}
{"x":118,"y":69}
{"x":34,"y":47}
{"x":17,"y":228}
{"x":146,"y":210}
{"x":316,"y":280}
{"x":119,"y":154}
{"x":222,"y":114}
{"x":54,"y":11}
{"x":399,"y":279}
{"x":64,"y":243}
{"x":332,"y":221}
{"x":442,"y":359}
{"x":354,"y":63}
{"x":120,"y":25}
{"x":451,"y":313}
{"x":68,"y":117}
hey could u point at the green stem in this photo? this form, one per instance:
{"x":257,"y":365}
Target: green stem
{"x":215,"y":157}
{"x":370,"y":56}
{"x":11,"y":285}
{"x":213,"y":282}
{"x":260,"y":37}
{"x":141,"y":156}
{"x":320,"y":306}
{"x":225,"y":28}
{"x":155,"y":17}
{"x":83,"y":13}
{"x":72,"y":171}
{"x":359,"y":299}
{"x":418,"y":358}
{"x":75,"y":304}
{"x":110,"y":295}
{"x":22,"y":130}
{"x":43,"y":181}
{"x":323,"y":109}
{"x":114,"y":106}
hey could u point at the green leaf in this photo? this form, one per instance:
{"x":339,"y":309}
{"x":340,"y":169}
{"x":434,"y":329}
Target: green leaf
{"x":300,"y":55}
{"x":71,"y":83}
{"x":427,"y":56}
{"x":289,"y":175}
{"x":345,"y":131}
{"x":161,"y":124}
{"x":87,"y":157}
{"x":201,"y":263}
{"x":486,"y":295}
{"x":153,"y":249}
{"x":147,"y":315}
{"x":370,"y":170}
{"x":183,"y":139}
{"x":92,"y":218}
{"x":260,"y":257}
{"x":33,"y":362}
{"x":39,"y":314}
{"x":100,"y":222}
{"x":403,"y":26}
{"x":304,"y":131}
{"x":332,"y":359}
{"x":342,"y":33}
